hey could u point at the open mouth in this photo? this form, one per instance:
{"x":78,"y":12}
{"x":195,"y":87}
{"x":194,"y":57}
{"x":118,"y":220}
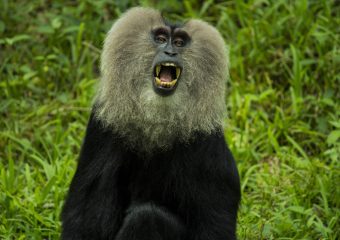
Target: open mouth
{"x":166,"y":75}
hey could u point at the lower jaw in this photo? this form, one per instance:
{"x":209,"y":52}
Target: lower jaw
{"x":164,"y":91}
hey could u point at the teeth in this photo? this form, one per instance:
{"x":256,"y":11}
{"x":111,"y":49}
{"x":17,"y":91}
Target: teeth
{"x":158,"y":81}
{"x":178,"y":71}
{"x":158,"y":69}
{"x":173,"y":82}
{"x":165,"y":84}
{"x":168,"y":64}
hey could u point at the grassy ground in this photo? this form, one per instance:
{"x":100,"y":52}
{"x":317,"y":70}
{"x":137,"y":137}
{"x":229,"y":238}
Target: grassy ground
{"x":283,"y":105}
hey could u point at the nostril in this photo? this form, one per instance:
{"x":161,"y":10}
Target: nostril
{"x":170,"y":53}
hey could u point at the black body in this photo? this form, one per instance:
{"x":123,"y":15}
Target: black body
{"x":189,"y":192}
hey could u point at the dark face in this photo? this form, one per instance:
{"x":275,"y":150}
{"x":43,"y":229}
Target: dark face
{"x":167,"y":65}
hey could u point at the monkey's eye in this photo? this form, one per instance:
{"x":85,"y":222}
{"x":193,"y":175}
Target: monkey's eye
{"x":179,"y":42}
{"x":160,"y":39}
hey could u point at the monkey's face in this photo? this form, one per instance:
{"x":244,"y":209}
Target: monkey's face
{"x":160,"y":82}
{"x":168,"y":64}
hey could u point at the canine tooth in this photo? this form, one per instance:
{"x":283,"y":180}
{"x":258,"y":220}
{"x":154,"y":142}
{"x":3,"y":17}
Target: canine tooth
{"x":173,"y":83}
{"x":178,"y":71}
{"x":158,"y":81}
{"x":158,"y":69}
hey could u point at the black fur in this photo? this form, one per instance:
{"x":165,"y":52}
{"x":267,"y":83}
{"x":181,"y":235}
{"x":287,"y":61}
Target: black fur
{"x":190,"y":192}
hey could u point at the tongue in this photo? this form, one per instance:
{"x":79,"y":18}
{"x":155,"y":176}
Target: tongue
{"x":165,"y":75}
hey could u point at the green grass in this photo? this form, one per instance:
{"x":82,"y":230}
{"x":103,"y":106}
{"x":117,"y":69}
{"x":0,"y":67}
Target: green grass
{"x":283,"y":105}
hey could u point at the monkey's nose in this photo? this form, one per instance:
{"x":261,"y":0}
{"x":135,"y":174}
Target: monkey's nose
{"x":170,"y":53}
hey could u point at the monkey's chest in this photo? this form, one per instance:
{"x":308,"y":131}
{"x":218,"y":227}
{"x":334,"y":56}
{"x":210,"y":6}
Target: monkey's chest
{"x":157,"y":182}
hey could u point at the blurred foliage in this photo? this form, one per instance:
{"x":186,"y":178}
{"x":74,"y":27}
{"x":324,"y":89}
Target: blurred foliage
{"x":283,"y":105}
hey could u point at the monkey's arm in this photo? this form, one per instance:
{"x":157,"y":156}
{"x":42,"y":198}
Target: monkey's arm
{"x":215,"y":189}
{"x":93,"y":199}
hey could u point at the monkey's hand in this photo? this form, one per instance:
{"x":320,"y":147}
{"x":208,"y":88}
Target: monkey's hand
{"x":149,"y":222}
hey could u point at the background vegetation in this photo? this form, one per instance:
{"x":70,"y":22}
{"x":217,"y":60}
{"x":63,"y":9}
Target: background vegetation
{"x":283,"y":105}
